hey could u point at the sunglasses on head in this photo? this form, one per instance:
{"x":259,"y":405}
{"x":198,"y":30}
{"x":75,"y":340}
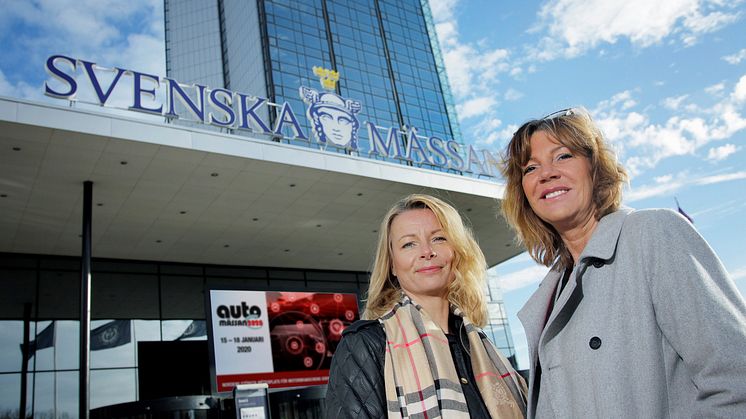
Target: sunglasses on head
{"x":560,"y":113}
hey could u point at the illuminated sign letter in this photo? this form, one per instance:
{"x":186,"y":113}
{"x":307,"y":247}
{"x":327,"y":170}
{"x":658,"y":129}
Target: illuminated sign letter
{"x":490,"y":163}
{"x":138,"y":91}
{"x":435,"y":145}
{"x":392,"y":141}
{"x":90,"y":71}
{"x":250,"y":112}
{"x":222,"y":99}
{"x":58,"y":74}
{"x":456,"y":161}
{"x":288,"y":117}
{"x":415,"y":147}
{"x":474,"y":160}
{"x":197,"y":109}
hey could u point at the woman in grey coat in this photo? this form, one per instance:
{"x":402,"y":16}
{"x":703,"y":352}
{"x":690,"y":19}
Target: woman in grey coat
{"x":637,"y":316}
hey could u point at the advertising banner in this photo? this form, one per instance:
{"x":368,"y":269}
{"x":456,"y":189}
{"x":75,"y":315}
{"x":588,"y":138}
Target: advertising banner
{"x":284,"y":339}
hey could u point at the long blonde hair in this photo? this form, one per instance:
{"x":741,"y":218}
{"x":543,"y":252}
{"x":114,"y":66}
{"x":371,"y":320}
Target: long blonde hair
{"x":574,"y":129}
{"x":467,"y":289}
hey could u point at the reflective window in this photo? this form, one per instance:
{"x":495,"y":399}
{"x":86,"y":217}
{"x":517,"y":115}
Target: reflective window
{"x":11,"y":336}
{"x":10,"y":388}
{"x":113,"y":386}
{"x":172,"y":293}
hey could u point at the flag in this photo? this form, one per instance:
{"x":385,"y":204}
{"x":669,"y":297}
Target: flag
{"x":681,"y":211}
{"x":45,"y":339}
{"x":195,"y":328}
{"x":110,"y":335}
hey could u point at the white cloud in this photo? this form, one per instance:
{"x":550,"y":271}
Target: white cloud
{"x":513,"y":95}
{"x":739,"y":93}
{"x":663,"y":179}
{"x":642,"y":144}
{"x":674,"y":103}
{"x":522,"y":278}
{"x":142,"y":52}
{"x":490,"y":130}
{"x":709,"y":180}
{"x":474,"y":71}
{"x":623,"y":100}
{"x":715,"y":89}
{"x":90,"y":29}
{"x":722,"y":209}
{"x":576,"y":26}
{"x":489,"y":124}
{"x":475,"y":107}
{"x":735,"y":58}
{"x":678,"y":182}
{"x":443,"y":9}
{"x":20,"y":90}
{"x":720,"y":153}
{"x":6,"y":89}
{"x":109,"y":32}
{"x":739,"y":273}
{"x":471,"y":67}
{"x":649,"y":191}
{"x":447,"y":32}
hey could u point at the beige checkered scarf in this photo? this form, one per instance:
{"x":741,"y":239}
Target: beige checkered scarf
{"x":421,"y":379}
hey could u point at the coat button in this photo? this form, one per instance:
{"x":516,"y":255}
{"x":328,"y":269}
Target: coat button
{"x":464,"y":380}
{"x":597,"y":263}
{"x":595,"y":343}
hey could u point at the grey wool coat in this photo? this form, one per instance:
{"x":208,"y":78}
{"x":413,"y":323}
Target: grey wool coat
{"x":649,"y":325}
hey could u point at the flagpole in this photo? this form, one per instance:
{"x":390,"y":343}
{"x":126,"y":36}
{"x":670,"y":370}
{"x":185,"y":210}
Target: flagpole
{"x":54,"y":365}
{"x":85,"y":302}
{"x":33,"y":385}
{"x":25,"y":359}
{"x":137,"y":370}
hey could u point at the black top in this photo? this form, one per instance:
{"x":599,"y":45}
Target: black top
{"x":356,"y":386}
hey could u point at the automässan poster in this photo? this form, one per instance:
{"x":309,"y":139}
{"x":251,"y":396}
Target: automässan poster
{"x":284,"y":339}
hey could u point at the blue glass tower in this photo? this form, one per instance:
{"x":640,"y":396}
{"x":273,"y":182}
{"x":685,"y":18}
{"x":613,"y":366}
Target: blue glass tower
{"x":385,"y":52}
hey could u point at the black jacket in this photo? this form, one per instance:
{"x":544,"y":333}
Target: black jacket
{"x":356,"y":386}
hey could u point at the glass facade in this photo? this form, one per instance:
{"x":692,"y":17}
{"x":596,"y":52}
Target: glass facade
{"x":242,"y":51}
{"x":382,"y":49}
{"x":498,"y":329}
{"x":155,"y":301}
{"x":193,"y":48}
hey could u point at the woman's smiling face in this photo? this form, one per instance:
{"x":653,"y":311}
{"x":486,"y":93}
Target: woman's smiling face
{"x":421,"y":254}
{"x":557,"y":183}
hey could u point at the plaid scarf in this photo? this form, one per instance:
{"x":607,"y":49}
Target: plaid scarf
{"x":421,"y":378}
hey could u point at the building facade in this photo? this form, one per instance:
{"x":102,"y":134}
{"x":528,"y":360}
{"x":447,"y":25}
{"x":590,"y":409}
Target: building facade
{"x":385,"y":52}
{"x":181,"y":208}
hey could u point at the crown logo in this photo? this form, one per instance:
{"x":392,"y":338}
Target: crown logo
{"x":328,"y":78}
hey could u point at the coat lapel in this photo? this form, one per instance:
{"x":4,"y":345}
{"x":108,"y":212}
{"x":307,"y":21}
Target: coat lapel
{"x":534,"y":314}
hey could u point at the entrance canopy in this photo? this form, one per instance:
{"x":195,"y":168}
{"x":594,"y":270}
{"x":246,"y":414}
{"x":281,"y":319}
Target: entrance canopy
{"x":174,"y":193}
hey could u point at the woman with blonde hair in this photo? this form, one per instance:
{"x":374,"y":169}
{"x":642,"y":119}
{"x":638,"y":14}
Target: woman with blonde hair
{"x":421,"y":352}
{"x":637,"y":317}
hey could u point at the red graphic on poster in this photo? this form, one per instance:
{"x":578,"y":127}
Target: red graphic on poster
{"x":305,"y":328}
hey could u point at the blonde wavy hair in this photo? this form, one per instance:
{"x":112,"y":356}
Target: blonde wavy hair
{"x":573,"y":128}
{"x":466,"y":291}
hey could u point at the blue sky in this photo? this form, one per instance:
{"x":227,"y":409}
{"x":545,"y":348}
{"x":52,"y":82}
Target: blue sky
{"x":665,"y":80}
